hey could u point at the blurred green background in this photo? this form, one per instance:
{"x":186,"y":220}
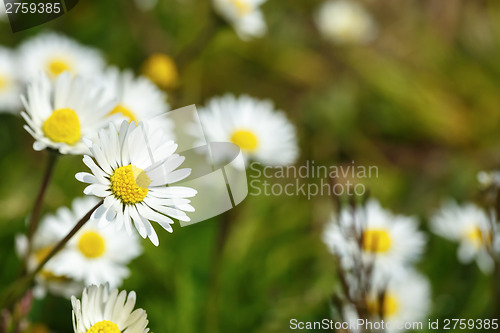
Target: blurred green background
{"x":421,"y":102}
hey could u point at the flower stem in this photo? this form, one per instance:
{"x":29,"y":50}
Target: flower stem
{"x":37,"y":208}
{"x":18,"y":288}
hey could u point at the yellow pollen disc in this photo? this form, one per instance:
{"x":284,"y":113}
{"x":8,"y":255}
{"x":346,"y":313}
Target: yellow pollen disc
{"x":4,"y":82}
{"x":242,"y":7}
{"x":130,"y":184}
{"x":42,"y":253}
{"x":120,"y":109}
{"x":104,"y":326}
{"x":91,"y":244}
{"x":376,"y":240}
{"x":390,"y":307}
{"x":56,"y":66}
{"x":245,"y":139}
{"x":478,"y":237}
{"x":161,"y":69}
{"x":63,"y":126}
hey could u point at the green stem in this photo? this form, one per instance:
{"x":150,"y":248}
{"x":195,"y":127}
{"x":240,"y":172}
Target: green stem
{"x":18,"y":288}
{"x":37,"y":208}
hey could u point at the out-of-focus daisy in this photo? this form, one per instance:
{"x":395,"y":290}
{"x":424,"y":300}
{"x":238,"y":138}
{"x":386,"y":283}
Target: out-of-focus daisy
{"x":3,"y":11}
{"x":93,"y":255}
{"x":487,"y":179}
{"x":131,"y":171}
{"x":388,"y":241}
{"x":471,"y":227}
{"x":263,"y":134}
{"x":10,"y":87}
{"x":110,"y":312}
{"x":406,"y":299}
{"x":161,"y":69}
{"x":343,"y":21}
{"x":146,"y":5}
{"x":54,"y":54}
{"x":137,"y":98}
{"x":60,"y":114}
{"x":47,"y":281}
{"x":244,"y":15}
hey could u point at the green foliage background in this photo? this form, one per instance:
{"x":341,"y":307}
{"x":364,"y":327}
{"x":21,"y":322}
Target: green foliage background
{"x":421,"y":102}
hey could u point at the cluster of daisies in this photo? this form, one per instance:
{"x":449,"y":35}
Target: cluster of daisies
{"x":73,"y":104}
{"x":375,"y":250}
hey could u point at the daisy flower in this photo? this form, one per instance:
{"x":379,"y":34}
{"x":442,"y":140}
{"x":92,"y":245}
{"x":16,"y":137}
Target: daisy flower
{"x":3,"y":11}
{"x":54,"y":54}
{"x":132,"y":170}
{"x":406,"y":300}
{"x":263,"y":134}
{"x":161,"y":69}
{"x":102,"y":311}
{"x":10,"y":87}
{"x":60,"y":114}
{"x":94,"y":255}
{"x":470,"y":226}
{"x":137,"y":98}
{"x":244,"y":15}
{"x":487,"y":179}
{"x":388,"y":241}
{"x":345,"y":22}
{"x":46,"y":281}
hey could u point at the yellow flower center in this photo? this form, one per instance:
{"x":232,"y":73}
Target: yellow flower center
{"x":63,"y":126}
{"x":242,"y":7}
{"x":40,"y":255}
{"x":56,"y":66}
{"x":376,"y":240}
{"x":389,"y":309}
{"x":4,"y":82}
{"x":104,"y":326}
{"x":124,"y":111}
{"x":245,"y":139}
{"x":130,"y":184}
{"x":478,"y":237}
{"x":161,"y":69}
{"x":91,"y":244}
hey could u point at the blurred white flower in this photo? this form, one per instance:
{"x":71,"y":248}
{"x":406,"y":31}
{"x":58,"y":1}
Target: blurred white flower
{"x":387,"y":241}
{"x":94,"y":254}
{"x":146,"y":5}
{"x":3,"y":11}
{"x":263,"y":134}
{"x":471,"y":227}
{"x":110,"y":312}
{"x":46,"y":281}
{"x":487,"y":179}
{"x":244,"y":15}
{"x":54,"y":54}
{"x":131,"y":171}
{"x":10,"y":85}
{"x":59,"y":114}
{"x":406,"y":299}
{"x":345,"y":22}
{"x":137,"y":99}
